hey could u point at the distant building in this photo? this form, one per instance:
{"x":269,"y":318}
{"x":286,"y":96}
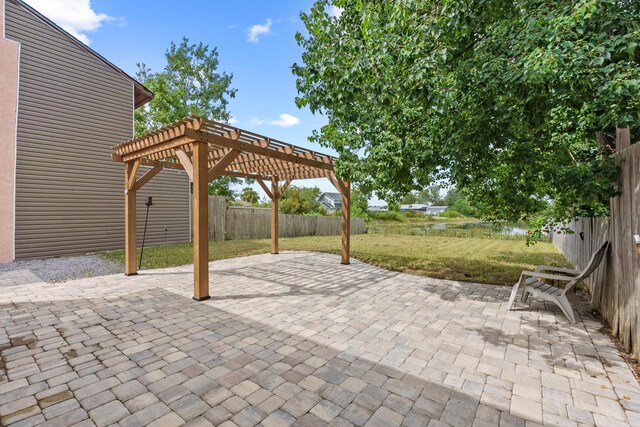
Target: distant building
{"x":331,"y":202}
{"x":423,"y":208}
{"x":414,"y":207}
{"x":377,"y":208}
{"x":436,"y":210}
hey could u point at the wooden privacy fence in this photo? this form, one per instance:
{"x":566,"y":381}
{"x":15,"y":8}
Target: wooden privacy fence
{"x":615,"y":286}
{"x":235,"y":223}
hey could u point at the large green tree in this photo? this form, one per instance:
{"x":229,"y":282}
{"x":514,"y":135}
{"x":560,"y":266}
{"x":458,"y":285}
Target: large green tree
{"x":189,"y":84}
{"x":511,"y":101}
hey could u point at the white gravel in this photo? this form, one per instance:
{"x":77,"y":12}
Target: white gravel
{"x":66,"y":268}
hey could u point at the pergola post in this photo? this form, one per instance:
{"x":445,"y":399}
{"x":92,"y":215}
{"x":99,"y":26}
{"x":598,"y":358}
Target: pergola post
{"x":344,"y":187}
{"x":275,"y":196}
{"x":130,"y":242}
{"x":200,"y":222}
{"x":346,"y":222}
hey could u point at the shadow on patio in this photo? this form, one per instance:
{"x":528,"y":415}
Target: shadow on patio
{"x":282,"y":344}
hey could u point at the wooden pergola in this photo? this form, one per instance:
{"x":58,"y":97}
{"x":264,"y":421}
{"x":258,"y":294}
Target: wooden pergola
{"x":206,"y":150}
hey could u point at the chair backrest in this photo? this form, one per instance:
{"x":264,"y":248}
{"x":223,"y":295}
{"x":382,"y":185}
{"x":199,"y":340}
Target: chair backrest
{"x":593,"y":263}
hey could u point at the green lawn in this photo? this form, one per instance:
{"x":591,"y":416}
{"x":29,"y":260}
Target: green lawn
{"x":495,"y":261}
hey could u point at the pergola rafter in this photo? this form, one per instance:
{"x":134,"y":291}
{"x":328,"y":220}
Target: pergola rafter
{"x":206,"y":150}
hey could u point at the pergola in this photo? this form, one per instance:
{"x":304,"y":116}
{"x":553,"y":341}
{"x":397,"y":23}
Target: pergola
{"x":206,"y":150}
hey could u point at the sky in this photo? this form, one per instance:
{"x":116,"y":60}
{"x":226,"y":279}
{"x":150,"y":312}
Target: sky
{"x":255,"y":41}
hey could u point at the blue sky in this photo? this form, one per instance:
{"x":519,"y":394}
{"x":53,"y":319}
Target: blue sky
{"x":128,"y":32}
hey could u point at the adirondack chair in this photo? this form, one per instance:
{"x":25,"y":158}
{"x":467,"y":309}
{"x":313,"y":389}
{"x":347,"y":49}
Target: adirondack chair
{"x":532,"y":285}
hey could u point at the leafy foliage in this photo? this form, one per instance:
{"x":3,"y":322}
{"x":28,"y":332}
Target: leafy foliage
{"x":221,"y":186}
{"x":359,"y":204}
{"x":249,"y":195}
{"x":502,"y":98}
{"x":430,"y":194}
{"x":189,"y":84}
{"x":463,"y":207}
{"x":301,"y":200}
{"x":409,"y":198}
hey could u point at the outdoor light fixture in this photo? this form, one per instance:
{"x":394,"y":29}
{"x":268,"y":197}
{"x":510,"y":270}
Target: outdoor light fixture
{"x":637,"y":240}
{"x":148,"y":203}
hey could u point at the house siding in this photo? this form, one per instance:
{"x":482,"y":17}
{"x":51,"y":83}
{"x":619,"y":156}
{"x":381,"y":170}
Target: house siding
{"x":72,"y":108}
{"x":9,"y":58}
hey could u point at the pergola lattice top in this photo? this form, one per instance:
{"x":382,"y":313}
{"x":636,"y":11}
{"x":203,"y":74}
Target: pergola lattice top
{"x":232,"y":151}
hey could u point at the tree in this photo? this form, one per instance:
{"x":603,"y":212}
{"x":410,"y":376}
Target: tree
{"x":189,"y":84}
{"x":505,"y":99}
{"x":221,"y":186}
{"x":301,"y":200}
{"x":359,"y":203}
{"x":430,"y":194}
{"x":249,"y":195}
{"x":409,"y":199}
{"x":463,"y":206}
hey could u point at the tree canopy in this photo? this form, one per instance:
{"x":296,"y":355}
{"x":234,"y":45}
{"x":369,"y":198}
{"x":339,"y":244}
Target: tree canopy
{"x":301,"y":200}
{"x":249,"y":195}
{"x":189,"y":84}
{"x":509,"y":100}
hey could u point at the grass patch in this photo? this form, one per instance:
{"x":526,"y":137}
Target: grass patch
{"x":494,"y":261}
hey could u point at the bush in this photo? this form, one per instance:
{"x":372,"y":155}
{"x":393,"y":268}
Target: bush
{"x":451,"y":214}
{"x":412,"y":214}
{"x":386,"y":216}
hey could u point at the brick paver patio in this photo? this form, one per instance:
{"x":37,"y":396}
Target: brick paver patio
{"x":298,"y":339}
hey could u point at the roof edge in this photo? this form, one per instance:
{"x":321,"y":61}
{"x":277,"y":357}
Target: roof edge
{"x":142,"y":95}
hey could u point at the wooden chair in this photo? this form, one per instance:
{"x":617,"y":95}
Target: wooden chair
{"x":530,"y":282}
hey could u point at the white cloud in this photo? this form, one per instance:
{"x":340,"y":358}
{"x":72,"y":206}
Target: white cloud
{"x":284,"y":121}
{"x":74,"y":16}
{"x":335,"y":11}
{"x":232,"y":120}
{"x":258,"y":30}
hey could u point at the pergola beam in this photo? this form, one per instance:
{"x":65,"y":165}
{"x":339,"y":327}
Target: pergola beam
{"x":177,"y":166}
{"x":185,"y":161}
{"x":147,"y":176}
{"x":221,"y":165}
{"x":265,"y":188}
{"x":131,"y":179}
{"x":256,"y":149}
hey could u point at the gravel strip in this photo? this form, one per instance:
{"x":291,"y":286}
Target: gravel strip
{"x":67,"y":268}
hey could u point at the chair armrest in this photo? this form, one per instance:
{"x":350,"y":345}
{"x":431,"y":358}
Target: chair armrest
{"x":542,"y":268}
{"x":546,"y":276}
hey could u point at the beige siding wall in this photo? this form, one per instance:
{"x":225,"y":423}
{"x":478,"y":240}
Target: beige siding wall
{"x":72,"y":109}
{"x":9,"y":51}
